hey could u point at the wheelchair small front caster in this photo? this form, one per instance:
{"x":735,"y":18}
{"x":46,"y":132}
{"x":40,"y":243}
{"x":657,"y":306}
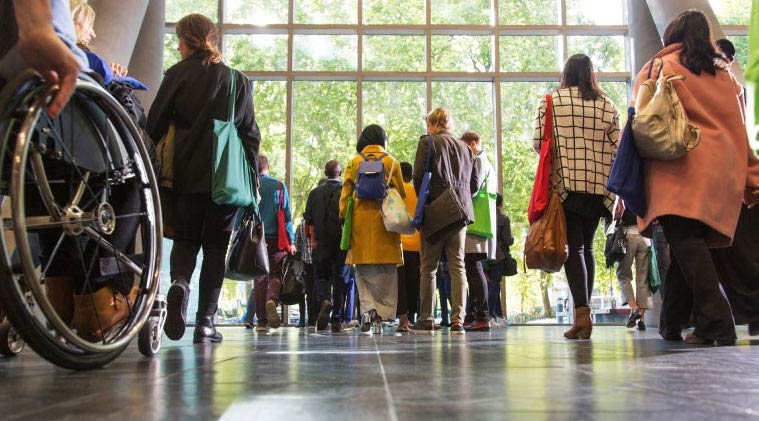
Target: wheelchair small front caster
{"x":149,"y":339}
{"x":11,"y":343}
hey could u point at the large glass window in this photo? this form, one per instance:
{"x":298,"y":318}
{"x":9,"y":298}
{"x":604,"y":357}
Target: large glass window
{"x":324,"y":128}
{"x":732,"y":12}
{"x":344,"y":64}
{"x":324,"y":52}
{"x":399,"y":107}
{"x":461,"y":53}
{"x":396,"y":53}
{"x":257,"y":52}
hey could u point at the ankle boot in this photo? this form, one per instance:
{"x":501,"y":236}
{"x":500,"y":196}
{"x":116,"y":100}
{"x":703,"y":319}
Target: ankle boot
{"x":582,"y":326}
{"x":205,"y":331}
{"x":98,"y":314}
{"x":60,"y":293}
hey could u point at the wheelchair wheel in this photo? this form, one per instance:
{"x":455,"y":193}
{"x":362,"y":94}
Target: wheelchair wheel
{"x":11,"y":343}
{"x":149,"y":339}
{"x":82,"y":196}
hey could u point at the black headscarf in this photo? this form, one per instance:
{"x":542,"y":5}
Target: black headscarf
{"x":371,"y":135}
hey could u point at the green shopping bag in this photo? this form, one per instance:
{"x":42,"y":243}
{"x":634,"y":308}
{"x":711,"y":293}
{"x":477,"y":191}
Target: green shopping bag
{"x":345,"y":240}
{"x":483,"y":204}
{"x":232,"y":179}
{"x":654,"y":280}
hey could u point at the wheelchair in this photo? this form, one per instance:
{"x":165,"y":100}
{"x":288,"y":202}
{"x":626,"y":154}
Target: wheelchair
{"x":79,"y":200}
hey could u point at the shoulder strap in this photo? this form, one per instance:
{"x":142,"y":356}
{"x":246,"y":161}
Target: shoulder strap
{"x":232,"y":93}
{"x":392,"y":169}
{"x":429,"y":151}
{"x":651,"y":67}
{"x":549,"y":135}
{"x":281,"y":190}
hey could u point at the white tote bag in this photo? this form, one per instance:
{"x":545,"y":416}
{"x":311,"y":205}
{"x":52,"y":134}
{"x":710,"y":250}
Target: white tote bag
{"x":394,"y":212}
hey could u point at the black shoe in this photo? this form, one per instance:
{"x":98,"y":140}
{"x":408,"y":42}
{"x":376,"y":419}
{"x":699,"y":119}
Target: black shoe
{"x":176,"y":309}
{"x":367,"y":320}
{"x":337,"y":327}
{"x":671,"y":335}
{"x":634,"y":315}
{"x":205,"y":331}
{"x":323,"y":318}
{"x":753,"y":328}
{"x":641,"y":325}
{"x":444,"y":323}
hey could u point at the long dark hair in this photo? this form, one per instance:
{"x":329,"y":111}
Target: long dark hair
{"x":691,"y":28}
{"x":578,"y":71}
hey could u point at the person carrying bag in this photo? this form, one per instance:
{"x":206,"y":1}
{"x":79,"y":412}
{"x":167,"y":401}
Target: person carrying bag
{"x":546,"y":245}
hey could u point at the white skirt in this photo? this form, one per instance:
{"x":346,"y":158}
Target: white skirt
{"x":378,"y":289}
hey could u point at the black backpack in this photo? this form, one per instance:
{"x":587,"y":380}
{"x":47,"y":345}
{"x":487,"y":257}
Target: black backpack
{"x":333,"y":227}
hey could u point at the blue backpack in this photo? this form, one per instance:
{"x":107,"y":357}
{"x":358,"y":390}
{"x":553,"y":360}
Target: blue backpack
{"x":370,"y":180}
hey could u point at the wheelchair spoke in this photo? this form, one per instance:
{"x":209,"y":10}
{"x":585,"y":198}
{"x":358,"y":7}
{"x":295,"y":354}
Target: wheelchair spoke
{"x":53,"y":255}
{"x":119,"y":255}
{"x":88,"y":284}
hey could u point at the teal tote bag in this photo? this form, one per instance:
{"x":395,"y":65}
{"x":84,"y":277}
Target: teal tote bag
{"x":232,"y":181}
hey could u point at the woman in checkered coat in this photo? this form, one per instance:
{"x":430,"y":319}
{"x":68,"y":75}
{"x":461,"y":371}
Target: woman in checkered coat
{"x":586,"y":129}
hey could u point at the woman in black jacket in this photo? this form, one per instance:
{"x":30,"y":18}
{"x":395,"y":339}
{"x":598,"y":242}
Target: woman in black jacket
{"x":193,"y":94}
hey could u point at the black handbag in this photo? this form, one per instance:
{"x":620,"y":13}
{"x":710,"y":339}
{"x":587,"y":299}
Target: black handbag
{"x":510,"y":265}
{"x":293,"y":281}
{"x":616,"y":246}
{"x":248,"y":256}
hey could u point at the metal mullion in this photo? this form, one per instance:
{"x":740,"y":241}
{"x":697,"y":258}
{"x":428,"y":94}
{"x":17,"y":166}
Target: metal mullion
{"x":497,"y":98}
{"x":360,"y":68}
{"x":563,"y":32}
{"x":289,"y":149}
{"x":249,"y":30}
{"x":419,"y":76}
{"x":219,"y":23}
{"x":428,"y":52}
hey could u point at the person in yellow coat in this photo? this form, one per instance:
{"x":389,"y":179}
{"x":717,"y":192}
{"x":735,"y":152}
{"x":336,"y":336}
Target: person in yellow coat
{"x":375,"y":252}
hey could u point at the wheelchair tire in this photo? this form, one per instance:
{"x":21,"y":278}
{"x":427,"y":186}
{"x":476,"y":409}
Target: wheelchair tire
{"x":34,"y":156}
{"x":149,"y":339}
{"x":11,"y":343}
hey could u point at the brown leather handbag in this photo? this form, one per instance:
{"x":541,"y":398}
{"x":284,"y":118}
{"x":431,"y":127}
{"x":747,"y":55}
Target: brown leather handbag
{"x":546,"y":245}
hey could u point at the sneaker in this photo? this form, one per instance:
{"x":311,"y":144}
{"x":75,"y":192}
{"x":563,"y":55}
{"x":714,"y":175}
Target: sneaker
{"x":641,"y":325}
{"x":634,"y":315}
{"x":366,"y":320}
{"x":478,"y":326}
{"x":336,"y":327}
{"x":456,"y":327}
{"x":176,"y":309}
{"x":248,"y":325}
{"x":272,"y":314}
{"x":323,"y":319}
{"x":353,"y":323}
{"x":424,"y":327}
{"x":262,"y":329}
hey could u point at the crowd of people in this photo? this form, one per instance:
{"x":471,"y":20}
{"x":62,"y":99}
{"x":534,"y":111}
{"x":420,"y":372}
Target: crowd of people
{"x":694,"y":202}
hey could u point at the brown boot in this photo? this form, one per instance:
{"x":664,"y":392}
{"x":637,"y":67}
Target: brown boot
{"x":60,"y":293}
{"x":582,"y":326}
{"x":97,"y":314}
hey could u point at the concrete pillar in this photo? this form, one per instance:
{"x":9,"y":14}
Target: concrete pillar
{"x":663,"y":11}
{"x":117,"y":26}
{"x":147,"y":60}
{"x":645,"y":41}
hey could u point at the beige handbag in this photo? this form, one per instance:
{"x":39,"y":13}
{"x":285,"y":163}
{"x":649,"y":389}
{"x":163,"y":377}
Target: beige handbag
{"x":660,"y":128}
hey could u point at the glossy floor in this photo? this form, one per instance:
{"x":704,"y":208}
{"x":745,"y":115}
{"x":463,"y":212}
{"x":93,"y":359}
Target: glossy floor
{"x":524,"y":372}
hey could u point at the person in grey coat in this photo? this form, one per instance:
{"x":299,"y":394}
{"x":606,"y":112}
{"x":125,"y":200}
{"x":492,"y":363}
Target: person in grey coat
{"x":450,"y":159}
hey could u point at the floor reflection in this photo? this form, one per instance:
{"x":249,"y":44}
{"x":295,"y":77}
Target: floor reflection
{"x":518,"y":372}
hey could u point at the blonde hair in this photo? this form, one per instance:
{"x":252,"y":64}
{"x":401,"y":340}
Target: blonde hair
{"x":200,"y":35}
{"x":440,"y":117}
{"x":83,"y":16}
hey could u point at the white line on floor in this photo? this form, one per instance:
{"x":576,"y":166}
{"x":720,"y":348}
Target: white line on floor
{"x":388,"y":394}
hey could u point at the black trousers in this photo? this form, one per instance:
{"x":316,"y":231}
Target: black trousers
{"x":202,"y":223}
{"x":580,"y":266}
{"x":478,"y":286}
{"x":332,"y":277}
{"x":408,"y":285}
{"x":692,"y":283}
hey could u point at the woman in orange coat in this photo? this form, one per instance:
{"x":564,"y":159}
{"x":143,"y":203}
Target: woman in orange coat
{"x":697,"y":198}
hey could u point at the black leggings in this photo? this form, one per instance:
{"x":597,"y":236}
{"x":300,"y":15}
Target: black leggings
{"x":201,"y":222}
{"x":580,"y":267}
